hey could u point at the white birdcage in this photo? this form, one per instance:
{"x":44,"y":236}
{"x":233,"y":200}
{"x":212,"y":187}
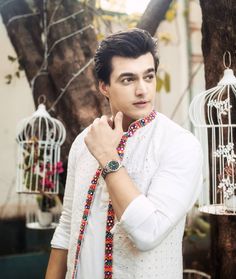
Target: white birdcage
{"x":42,"y":211}
{"x":39,"y":139}
{"x":212,"y":115}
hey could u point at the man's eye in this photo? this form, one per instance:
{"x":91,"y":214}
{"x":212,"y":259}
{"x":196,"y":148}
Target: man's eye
{"x":149,"y":77}
{"x":127,"y":80}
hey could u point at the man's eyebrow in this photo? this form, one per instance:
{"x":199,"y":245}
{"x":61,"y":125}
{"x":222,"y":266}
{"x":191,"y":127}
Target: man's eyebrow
{"x":126,"y":75}
{"x":149,"y":70}
{"x":130,"y":74}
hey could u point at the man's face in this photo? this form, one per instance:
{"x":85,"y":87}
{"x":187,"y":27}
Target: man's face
{"x":132,"y":87}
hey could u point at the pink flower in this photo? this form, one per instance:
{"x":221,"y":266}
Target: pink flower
{"x":48,"y":173}
{"x":47,"y":183}
{"x":59,"y":167}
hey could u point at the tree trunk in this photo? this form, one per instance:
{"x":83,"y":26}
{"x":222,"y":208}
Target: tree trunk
{"x":219,"y":35}
{"x":153,"y":15}
{"x":81,"y":102}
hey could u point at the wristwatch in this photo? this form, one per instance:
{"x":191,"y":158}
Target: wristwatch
{"x":111,"y":166}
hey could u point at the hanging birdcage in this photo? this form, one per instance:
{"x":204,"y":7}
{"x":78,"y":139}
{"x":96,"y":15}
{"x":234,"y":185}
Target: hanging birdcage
{"x":39,"y":139}
{"x":42,"y":211}
{"x":213,"y":114}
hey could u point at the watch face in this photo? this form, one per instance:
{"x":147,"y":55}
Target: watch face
{"x":113,"y":165}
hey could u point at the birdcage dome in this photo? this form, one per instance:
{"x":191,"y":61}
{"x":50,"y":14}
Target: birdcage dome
{"x":212,"y":113}
{"x":41,"y":126}
{"x":216,"y":101}
{"x":39,"y":139}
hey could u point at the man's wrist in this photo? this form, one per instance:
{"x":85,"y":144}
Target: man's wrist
{"x":111,"y":167}
{"x":103,"y":160}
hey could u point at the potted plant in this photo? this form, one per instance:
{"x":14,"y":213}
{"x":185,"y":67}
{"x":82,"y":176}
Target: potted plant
{"x":45,"y":205}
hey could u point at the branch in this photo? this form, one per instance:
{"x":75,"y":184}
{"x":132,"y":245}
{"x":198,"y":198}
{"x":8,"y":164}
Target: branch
{"x":74,"y":76}
{"x":68,"y":36}
{"x":65,"y":18}
{"x":45,"y":28}
{"x":19,"y":17}
{"x":40,"y":73}
{"x":153,"y":15}
{"x":54,"y":11}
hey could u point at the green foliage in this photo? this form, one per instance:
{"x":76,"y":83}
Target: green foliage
{"x":9,"y":77}
{"x":172,"y":11}
{"x":165,"y":37}
{"x":199,"y":229}
{"x":11,"y":58}
{"x":163,"y":82}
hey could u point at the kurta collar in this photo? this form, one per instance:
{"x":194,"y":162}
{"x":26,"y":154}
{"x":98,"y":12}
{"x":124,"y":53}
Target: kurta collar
{"x":133,"y":127}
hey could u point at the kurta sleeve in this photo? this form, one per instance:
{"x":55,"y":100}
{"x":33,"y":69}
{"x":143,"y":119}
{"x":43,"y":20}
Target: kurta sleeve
{"x":173,"y":190}
{"x":62,"y":233}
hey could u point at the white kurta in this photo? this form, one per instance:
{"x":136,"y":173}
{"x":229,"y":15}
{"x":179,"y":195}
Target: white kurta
{"x":165,"y":163}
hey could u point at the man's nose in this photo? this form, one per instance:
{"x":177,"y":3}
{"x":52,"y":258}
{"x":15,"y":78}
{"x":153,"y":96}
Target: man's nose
{"x":141,"y":88}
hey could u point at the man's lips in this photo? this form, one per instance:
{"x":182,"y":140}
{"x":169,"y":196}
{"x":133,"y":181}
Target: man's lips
{"x":140,"y":102}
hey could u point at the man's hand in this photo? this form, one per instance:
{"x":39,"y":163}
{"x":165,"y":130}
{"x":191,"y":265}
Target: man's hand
{"x":102,"y":140}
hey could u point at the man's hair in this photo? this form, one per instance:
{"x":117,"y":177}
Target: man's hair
{"x":132,"y":44}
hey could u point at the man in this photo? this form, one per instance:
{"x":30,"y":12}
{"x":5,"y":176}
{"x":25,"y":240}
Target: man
{"x":131,"y":179}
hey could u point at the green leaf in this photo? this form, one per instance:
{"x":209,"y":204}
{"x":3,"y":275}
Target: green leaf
{"x":20,"y":68}
{"x":11,"y":58}
{"x":170,"y":15}
{"x":159,"y":84}
{"x":9,"y":78}
{"x":202,"y":225}
{"x":167,"y":82}
{"x":17,"y":74}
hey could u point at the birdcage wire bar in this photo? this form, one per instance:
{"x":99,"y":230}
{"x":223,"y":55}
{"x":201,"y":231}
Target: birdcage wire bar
{"x":212,"y":114}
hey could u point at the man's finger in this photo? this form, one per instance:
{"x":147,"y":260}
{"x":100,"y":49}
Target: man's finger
{"x":111,"y":122}
{"x":96,"y":121}
{"x":104,"y":118}
{"x":118,"y":121}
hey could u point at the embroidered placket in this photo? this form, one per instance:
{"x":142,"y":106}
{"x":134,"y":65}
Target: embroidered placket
{"x":110,"y":213}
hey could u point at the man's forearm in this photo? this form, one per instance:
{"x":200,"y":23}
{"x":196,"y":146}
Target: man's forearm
{"x":122,"y":190}
{"x":57,"y":264}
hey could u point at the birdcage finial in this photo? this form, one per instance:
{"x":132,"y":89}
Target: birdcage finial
{"x":42,"y":99}
{"x":229,"y":59}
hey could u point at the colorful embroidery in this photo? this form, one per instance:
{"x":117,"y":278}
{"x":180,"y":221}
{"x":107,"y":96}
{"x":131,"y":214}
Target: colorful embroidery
{"x":110,"y":213}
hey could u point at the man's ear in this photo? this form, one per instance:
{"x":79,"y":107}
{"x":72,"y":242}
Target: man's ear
{"x":103,"y":88}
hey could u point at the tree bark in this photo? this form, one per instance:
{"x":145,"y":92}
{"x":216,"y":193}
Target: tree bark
{"x":218,"y":36}
{"x":153,"y":15}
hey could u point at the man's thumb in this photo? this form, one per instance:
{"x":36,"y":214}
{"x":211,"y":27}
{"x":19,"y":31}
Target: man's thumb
{"x":118,"y":121}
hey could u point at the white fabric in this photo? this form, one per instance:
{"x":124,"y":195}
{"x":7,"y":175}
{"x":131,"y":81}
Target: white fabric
{"x":165,"y":163}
